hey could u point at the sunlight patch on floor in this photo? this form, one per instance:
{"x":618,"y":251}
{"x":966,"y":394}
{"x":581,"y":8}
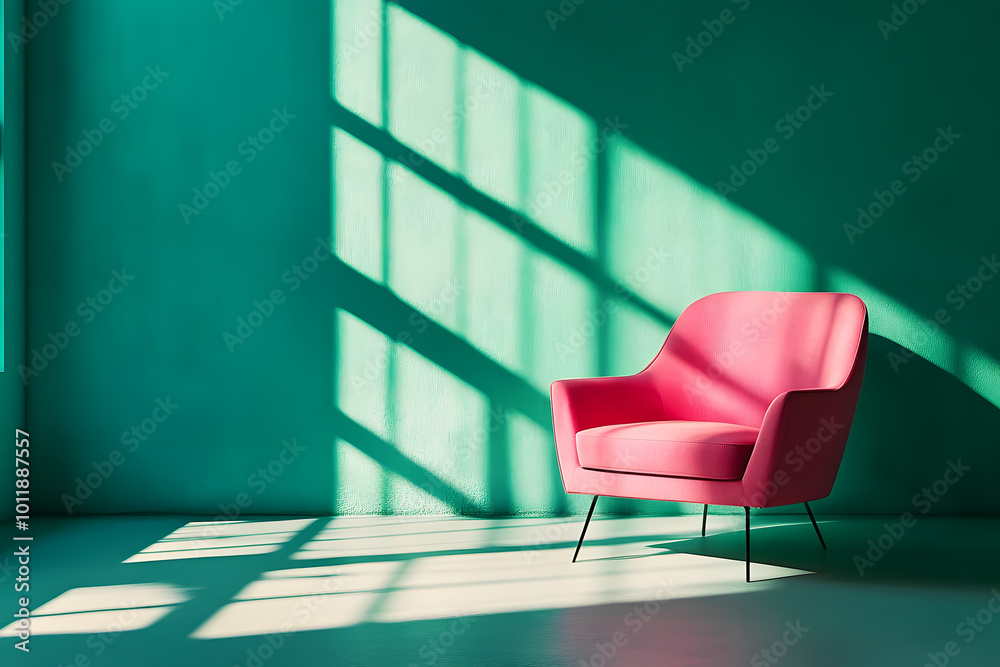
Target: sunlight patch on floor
{"x":103,"y":609}
{"x":513,"y":570}
{"x":202,"y":539}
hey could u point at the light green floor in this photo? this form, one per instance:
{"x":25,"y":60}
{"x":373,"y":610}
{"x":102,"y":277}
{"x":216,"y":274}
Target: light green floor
{"x":149,"y":591}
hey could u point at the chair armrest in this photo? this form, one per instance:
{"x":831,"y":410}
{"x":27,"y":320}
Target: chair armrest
{"x":800,"y":446}
{"x":585,"y":403}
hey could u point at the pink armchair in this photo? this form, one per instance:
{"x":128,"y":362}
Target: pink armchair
{"x":748,"y":403}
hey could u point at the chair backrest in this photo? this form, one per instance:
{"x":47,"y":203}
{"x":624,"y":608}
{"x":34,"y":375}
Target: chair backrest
{"x":729,"y":355}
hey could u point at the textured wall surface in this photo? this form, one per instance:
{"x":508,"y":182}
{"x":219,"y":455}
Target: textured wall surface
{"x":514,"y":192}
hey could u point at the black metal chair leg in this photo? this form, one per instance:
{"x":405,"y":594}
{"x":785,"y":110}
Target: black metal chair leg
{"x":748,"y":543}
{"x":585,"y":524}
{"x":815,"y":525}
{"x":704,"y":518}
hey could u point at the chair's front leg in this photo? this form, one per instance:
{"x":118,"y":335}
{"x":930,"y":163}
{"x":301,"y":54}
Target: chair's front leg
{"x":585,"y":524}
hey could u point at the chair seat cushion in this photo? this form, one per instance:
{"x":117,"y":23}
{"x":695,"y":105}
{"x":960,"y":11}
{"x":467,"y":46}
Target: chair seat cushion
{"x":704,"y":450}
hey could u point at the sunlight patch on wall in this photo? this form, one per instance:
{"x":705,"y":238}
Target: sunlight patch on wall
{"x":422,"y":233}
{"x":442,"y":428}
{"x":634,"y":338}
{"x":891,"y":319}
{"x":433,"y":418}
{"x":980,"y":372}
{"x":563,"y":147}
{"x":423,"y":66}
{"x":357,"y":200}
{"x":363,"y":360}
{"x":357,"y":57}
{"x":490,"y":105}
{"x":359,"y":480}
{"x":673,"y":241}
{"x":532,"y":463}
{"x":924,"y":336}
{"x":493,"y":289}
{"x":558,"y":304}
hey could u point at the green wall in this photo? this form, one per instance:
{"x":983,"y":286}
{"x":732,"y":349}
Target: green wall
{"x":511,"y":198}
{"x":12,"y":390}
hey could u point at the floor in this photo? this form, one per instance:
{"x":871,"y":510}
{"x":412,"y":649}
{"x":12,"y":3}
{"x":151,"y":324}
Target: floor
{"x":141,"y":591}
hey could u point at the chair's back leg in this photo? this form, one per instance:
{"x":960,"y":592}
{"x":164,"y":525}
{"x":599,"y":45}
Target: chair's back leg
{"x":585,"y":524}
{"x":704,"y":518}
{"x":748,"y":542}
